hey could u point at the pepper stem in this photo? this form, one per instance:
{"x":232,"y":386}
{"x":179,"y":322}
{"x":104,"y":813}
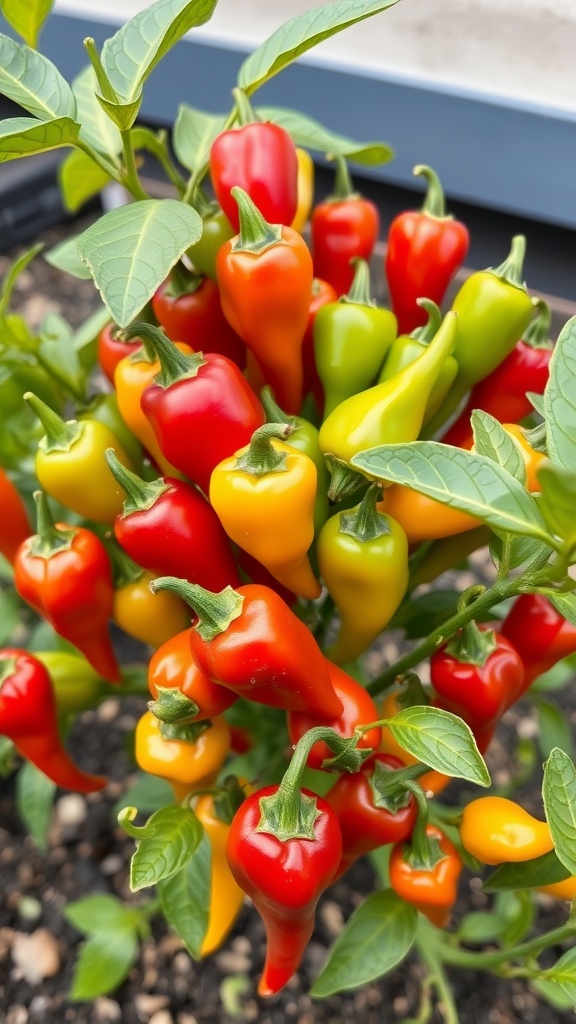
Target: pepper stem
{"x":472,"y":646}
{"x":140,"y":494}
{"x":124,"y":569}
{"x":512,"y":268}
{"x":246,"y":112}
{"x":255,"y":234}
{"x":228,"y":798}
{"x":537,"y":334}
{"x":182,"y":281}
{"x":359,"y":292}
{"x":261,"y":457}
{"x":425,"y":850}
{"x":60,"y":436}
{"x":344,"y":480}
{"x":48,"y":540}
{"x":274,"y":413}
{"x":434,"y":202}
{"x":430,"y":329}
{"x":365,"y":522}
{"x":174,"y":364}
{"x":215,"y":611}
{"x":343,"y":187}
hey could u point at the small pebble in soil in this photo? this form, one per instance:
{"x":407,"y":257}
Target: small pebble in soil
{"x":36,"y":956}
{"x":71,"y":810}
{"x":146,"y":1005}
{"x":106,"y":1011}
{"x":162,"y":1017}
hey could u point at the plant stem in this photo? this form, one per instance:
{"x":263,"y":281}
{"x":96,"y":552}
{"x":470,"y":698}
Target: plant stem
{"x":439,"y":981}
{"x":130,"y":177}
{"x":483,"y":961}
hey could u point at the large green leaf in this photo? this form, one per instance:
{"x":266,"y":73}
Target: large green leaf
{"x":167,"y":841}
{"x":80,"y":179}
{"x":300,"y":34}
{"x":32,"y":81}
{"x":64,"y":256}
{"x":104,"y":961}
{"x":26,"y":17}
{"x":34,"y":799}
{"x":194,"y":133}
{"x":491,"y":440}
{"x":13,"y":273}
{"x":134,"y":51}
{"x":461,"y":479}
{"x":131,"y":250}
{"x":24,"y":136}
{"x":97,"y":128}
{"x":185,"y":898}
{"x":566,"y":605}
{"x":560,"y":400}
{"x":378,"y":936}
{"x":528,"y":874}
{"x":442,"y":741}
{"x":312,"y":135}
{"x":559,"y":794}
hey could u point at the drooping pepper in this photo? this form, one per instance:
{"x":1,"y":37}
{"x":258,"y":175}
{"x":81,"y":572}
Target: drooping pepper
{"x":14,"y":524}
{"x":186,"y":763}
{"x":200,"y":407}
{"x":168,"y":527}
{"x":110,"y":350}
{"x":264,"y":497}
{"x":71,"y":467}
{"x":499,"y":831}
{"x":216,"y":229}
{"x":351,"y":339}
{"x":77,"y":686}
{"x":322,"y":294}
{"x":265,"y":278}
{"x":427,"y":876}
{"x":226,"y":896}
{"x":425,"y":249}
{"x":188,"y":307}
{"x":250,"y":641}
{"x":136,"y":610}
{"x":28,"y":716}
{"x":342,"y":227}
{"x":363,"y":560}
{"x":181,"y":692}
{"x":305,"y":189}
{"x":539,"y":634}
{"x":64,"y":573}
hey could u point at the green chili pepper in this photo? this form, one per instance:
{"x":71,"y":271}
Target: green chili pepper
{"x":77,"y":686}
{"x":216,"y":229}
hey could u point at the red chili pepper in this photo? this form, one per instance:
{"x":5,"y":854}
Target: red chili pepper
{"x":477,"y":676}
{"x":180,"y":691}
{"x":358,"y":709}
{"x":188,"y":307}
{"x":539,"y":633}
{"x":111,"y":350}
{"x":265,"y":278}
{"x":14,"y":524}
{"x":168,"y":527}
{"x":201,"y":408}
{"x":260,"y":158}
{"x":425,"y":249}
{"x":344,"y":226}
{"x":322,"y":294}
{"x":369,"y":816}
{"x":283,"y":876}
{"x":250,"y":641}
{"x":428,"y":879}
{"x":28,"y":716}
{"x":64,"y":573}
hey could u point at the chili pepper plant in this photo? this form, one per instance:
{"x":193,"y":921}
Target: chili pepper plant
{"x":258,"y":470}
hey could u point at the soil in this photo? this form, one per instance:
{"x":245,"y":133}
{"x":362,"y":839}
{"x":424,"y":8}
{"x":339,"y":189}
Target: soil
{"x":88,"y":853}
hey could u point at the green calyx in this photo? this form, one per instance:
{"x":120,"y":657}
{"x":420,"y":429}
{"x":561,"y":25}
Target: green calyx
{"x":344,"y":481}
{"x":184,"y":732}
{"x":48,"y":540}
{"x":359,"y":292}
{"x":387,"y":792}
{"x":261,"y":457}
{"x":434,"y":204}
{"x":512,"y":268}
{"x":299,"y":824}
{"x":215,"y":612}
{"x":229,"y":797}
{"x":364,"y":522}
{"x":182,"y":281}
{"x":140,"y":494}
{"x":173,"y":707}
{"x":472,"y":646}
{"x":174,"y":365}
{"x":537,"y":334}
{"x":256,"y":234}
{"x":430,"y":329}
{"x":59,"y":436}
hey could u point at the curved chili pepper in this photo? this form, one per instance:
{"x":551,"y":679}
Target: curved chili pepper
{"x":425,"y":249}
{"x":250,"y":641}
{"x":191,"y":695}
{"x":304,"y":188}
{"x":226,"y":896}
{"x":498,"y":831}
{"x":167,"y":527}
{"x":137,"y":611}
{"x":431,"y":883}
{"x":344,"y":226}
{"x":188,"y":307}
{"x":76,"y":685}
{"x":265,"y":277}
{"x":110,"y":350}
{"x":539,"y":634}
{"x":216,"y":229}
{"x":322,"y":294}
{"x":187,"y":764}
{"x":28,"y":716}
{"x":264,"y":497}
{"x":351,"y":339}
{"x":64,"y":573}
{"x":14,"y":523}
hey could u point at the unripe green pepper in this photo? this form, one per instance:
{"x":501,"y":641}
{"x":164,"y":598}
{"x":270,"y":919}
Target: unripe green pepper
{"x":351,"y":339}
{"x":363,"y":560}
{"x":216,"y":229}
{"x":405,"y":349}
{"x":77,"y":686}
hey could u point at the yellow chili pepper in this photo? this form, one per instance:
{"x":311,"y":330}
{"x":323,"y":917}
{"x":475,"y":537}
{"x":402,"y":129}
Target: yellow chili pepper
{"x":565,"y":890}
{"x":186,"y":764}
{"x":226,"y":897}
{"x":305,"y":189}
{"x":499,"y":831}
{"x":153,"y":619}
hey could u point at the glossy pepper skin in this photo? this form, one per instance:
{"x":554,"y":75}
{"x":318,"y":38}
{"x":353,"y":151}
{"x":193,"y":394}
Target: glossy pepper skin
{"x":77,"y":686}
{"x":368,"y":817}
{"x":14,"y":523}
{"x":425,"y":249}
{"x":322,"y":294}
{"x":152,"y":620}
{"x":216,"y":229}
{"x":250,"y":641}
{"x":110,"y":350}
{"x":261,"y":159}
{"x":431,"y":889}
{"x":539,"y":633}
{"x":499,"y":831}
{"x":28,"y":716}
{"x":64,"y":573}
{"x":342,"y":227}
{"x":265,"y":278}
{"x":226,"y":897}
{"x":363,"y":560}
{"x":168,"y":527}
{"x":351,"y":339}
{"x":421,"y":517}
{"x":305,"y":189}
{"x":186,"y":765}
{"x":264,"y":497}
{"x":172,"y":667}
{"x":188,"y":307}
{"x":358,"y":708}
{"x":284,"y":880}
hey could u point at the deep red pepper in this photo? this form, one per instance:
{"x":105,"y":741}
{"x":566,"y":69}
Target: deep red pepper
{"x":250,"y":641}
{"x":14,"y":524}
{"x":28,"y":716}
{"x":358,"y":709}
{"x":64,"y":573}
{"x":110,"y":350}
{"x":322,"y":294}
{"x":188,"y":307}
{"x":539,"y":633}
{"x":344,"y":226}
{"x":168,"y":527}
{"x":425,"y":249}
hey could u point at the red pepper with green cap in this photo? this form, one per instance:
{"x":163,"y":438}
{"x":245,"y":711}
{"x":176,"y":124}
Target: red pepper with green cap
{"x":425,"y":249}
{"x":426,"y":874}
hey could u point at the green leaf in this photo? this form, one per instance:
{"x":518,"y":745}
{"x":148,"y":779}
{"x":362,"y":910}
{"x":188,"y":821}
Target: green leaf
{"x":557,"y":502}
{"x":185,"y":898}
{"x":10,"y":612}
{"x":564,"y":974}
{"x":559,"y":794}
{"x":537,"y":401}
{"x":471,"y":483}
{"x":121,"y":115}
{"x":104,"y":961}
{"x":149,"y":793}
{"x":566,"y":605}
{"x":34,"y":800}
{"x":131,"y":250}
{"x":378,"y":936}
{"x":97,"y":129}
{"x":517,"y":911}
{"x":521,"y":550}
{"x":194,"y":133}
{"x":528,"y":874}
{"x":33,"y":82}
{"x":27,"y":17}
{"x":99,"y":913}
{"x":133,"y":52}
{"x":25,"y":136}
{"x":64,"y":256}
{"x":420,"y":615}
{"x":553,"y":729}
{"x":557,"y":677}
{"x":481,"y":926}
{"x":8,"y":755}
{"x":553,"y":994}
{"x":80,"y":179}
{"x":560,"y":400}
{"x":300,"y":34}
{"x":167,"y":841}
{"x":491,"y":440}
{"x":442,"y":741}
{"x":57,"y":351}
{"x":12,"y":275}
{"x":312,"y":135}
